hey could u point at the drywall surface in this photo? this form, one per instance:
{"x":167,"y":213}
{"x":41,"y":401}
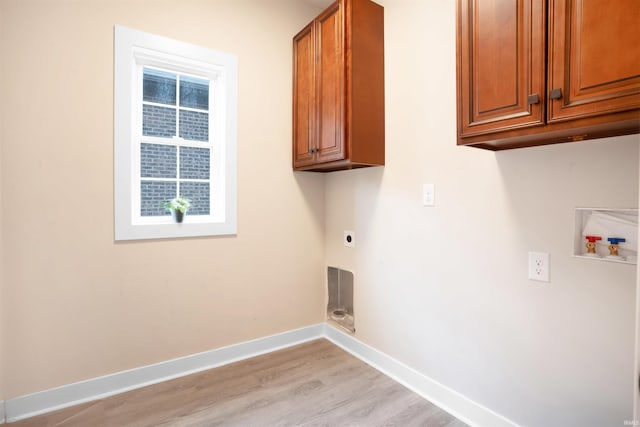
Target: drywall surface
{"x":78,"y":305}
{"x":2,"y":298}
{"x":636,"y":386}
{"x":444,"y":289}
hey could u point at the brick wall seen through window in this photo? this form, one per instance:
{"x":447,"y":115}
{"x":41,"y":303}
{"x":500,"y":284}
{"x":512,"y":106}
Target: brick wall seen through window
{"x":175,"y":151}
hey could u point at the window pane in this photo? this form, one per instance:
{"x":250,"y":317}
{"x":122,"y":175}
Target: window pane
{"x":158,"y":161}
{"x":159,"y":86}
{"x":158,"y":121}
{"x":194,"y":125}
{"x":194,"y":93}
{"x":198,"y":193}
{"x":194,"y":163}
{"x":153,"y":194}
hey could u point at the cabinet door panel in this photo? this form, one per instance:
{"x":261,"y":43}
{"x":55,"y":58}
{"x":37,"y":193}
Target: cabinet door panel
{"x":594,"y":57}
{"x":330,"y":80}
{"x":501,"y":45}
{"x":303,"y":97}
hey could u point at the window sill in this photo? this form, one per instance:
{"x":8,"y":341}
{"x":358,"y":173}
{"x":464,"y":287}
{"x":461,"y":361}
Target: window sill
{"x":171,"y":230}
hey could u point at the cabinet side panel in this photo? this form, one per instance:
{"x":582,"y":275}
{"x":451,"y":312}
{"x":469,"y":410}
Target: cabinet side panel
{"x":365,"y":82}
{"x":303,"y":97}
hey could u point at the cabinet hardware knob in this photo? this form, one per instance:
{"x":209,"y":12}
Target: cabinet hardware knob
{"x":533,"y":99}
{"x":556,"y":93}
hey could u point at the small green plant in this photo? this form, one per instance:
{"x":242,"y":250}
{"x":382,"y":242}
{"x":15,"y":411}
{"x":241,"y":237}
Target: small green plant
{"x":180,"y":204}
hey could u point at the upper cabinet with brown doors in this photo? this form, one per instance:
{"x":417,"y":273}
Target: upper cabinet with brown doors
{"x":533,"y":72}
{"x":338,"y":89}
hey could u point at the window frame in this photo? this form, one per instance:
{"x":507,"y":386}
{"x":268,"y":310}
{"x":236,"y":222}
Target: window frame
{"x":134,"y":50}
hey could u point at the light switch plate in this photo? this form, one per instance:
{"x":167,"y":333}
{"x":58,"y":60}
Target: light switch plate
{"x":428,"y":195}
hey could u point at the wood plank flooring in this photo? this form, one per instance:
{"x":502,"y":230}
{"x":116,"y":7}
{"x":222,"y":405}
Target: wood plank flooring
{"x":312,"y":384}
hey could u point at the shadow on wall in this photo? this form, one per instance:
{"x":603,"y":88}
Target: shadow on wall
{"x":366,"y":197}
{"x":543,"y":185}
{"x":309,"y":183}
{"x":353,"y":195}
{"x":356,"y":194}
{"x":352,"y":199}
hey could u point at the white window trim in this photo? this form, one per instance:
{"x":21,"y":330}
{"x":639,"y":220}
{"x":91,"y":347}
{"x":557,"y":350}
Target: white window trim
{"x":133,"y":48}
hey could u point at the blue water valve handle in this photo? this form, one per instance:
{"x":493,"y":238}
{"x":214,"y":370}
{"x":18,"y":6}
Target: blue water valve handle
{"x":616,"y":240}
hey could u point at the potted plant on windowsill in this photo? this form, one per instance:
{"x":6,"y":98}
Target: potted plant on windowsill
{"x":178,"y":207}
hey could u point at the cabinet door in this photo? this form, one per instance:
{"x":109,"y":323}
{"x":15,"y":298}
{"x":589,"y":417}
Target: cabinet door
{"x":501,"y":74}
{"x":594,"y":57}
{"x":303,"y":97}
{"x":330,"y":76}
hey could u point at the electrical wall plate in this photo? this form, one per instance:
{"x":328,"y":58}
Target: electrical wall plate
{"x":428,"y":195}
{"x":349,"y":239}
{"x":539,"y":266}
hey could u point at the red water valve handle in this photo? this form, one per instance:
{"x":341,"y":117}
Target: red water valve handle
{"x":593,"y":239}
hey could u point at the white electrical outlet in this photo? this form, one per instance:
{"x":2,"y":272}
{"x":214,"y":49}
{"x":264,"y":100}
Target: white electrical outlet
{"x":428,"y":195}
{"x":539,"y":266}
{"x":349,"y":239}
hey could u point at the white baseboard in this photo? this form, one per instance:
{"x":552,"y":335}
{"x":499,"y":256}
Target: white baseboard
{"x":451,"y":401}
{"x":2,"y":420}
{"x":96,"y":388}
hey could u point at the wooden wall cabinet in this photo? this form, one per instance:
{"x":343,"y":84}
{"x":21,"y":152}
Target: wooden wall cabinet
{"x":338,"y":89}
{"x":534,"y":72}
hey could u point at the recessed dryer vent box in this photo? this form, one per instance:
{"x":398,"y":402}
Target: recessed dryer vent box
{"x":340,"y":304}
{"x":606,"y":223}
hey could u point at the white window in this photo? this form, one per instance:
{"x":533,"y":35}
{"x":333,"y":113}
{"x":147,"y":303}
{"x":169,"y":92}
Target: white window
{"x":175,"y":111}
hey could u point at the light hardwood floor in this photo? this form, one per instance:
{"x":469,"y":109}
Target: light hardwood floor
{"x":312,"y":384}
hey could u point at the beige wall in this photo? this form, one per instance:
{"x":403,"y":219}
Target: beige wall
{"x":445,"y":289}
{"x":79,"y":305}
{"x":442,"y":289}
{"x":636,"y":387}
{"x":2,"y":297}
